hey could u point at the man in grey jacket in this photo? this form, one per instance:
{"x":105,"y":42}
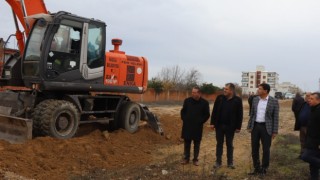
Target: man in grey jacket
{"x":263,"y":125}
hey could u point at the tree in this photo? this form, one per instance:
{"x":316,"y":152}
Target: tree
{"x":209,"y":88}
{"x":156,"y":84}
{"x":175,"y":78}
{"x":191,"y":79}
{"x":238,"y":89}
{"x":171,"y":77}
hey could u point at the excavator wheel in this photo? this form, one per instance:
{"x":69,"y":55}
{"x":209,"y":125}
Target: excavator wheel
{"x":114,"y":125}
{"x":56,"y":118}
{"x":130,"y":117}
{"x":37,"y":117}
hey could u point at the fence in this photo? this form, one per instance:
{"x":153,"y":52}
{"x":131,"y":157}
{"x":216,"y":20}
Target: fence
{"x":166,"y":96}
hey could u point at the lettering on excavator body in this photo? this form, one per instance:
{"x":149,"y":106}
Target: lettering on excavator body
{"x":112,"y":65}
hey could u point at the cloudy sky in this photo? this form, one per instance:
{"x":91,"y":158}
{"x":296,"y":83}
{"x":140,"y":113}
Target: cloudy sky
{"x":220,"y":38}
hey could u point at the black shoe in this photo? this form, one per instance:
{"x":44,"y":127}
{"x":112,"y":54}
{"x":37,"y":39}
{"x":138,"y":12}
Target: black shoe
{"x":231,"y":166}
{"x":263,"y":171}
{"x":217,"y":165}
{"x":255,"y":172}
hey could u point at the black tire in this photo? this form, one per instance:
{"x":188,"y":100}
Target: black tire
{"x":130,"y":117}
{"x":56,"y":118}
{"x":114,"y":124}
{"x":37,"y":117}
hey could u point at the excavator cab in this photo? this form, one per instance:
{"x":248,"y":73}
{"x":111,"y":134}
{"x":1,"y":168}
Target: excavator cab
{"x":64,"y":48}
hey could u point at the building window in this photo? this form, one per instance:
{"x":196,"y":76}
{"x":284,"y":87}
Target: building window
{"x":245,"y":74}
{"x":264,"y":77}
{"x":271,"y":74}
{"x":251,"y":82}
{"x":245,"y":79}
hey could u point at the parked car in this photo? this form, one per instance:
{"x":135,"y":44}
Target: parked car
{"x":279,"y":95}
{"x":289,"y":96}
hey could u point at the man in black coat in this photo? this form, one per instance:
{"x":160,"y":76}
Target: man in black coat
{"x":226,"y":119}
{"x":194,"y":113}
{"x":296,"y":106}
{"x":302,"y":122}
{"x":312,"y":152}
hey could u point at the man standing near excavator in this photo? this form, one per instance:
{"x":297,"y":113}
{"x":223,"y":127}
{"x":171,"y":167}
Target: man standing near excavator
{"x":263,"y":126}
{"x":226,"y":120}
{"x":194,"y":113}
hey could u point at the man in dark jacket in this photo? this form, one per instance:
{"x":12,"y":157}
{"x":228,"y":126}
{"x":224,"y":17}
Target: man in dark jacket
{"x":194,"y":113}
{"x":312,"y":151}
{"x":301,"y":124}
{"x":226,"y":119}
{"x":296,"y":106}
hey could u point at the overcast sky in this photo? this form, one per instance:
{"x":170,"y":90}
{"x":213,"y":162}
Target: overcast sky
{"x":220,"y":38}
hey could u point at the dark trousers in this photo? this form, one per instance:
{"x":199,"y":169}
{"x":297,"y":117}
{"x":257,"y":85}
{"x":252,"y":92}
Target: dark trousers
{"x":258,"y":133}
{"x":221,"y":132}
{"x":312,"y":156}
{"x":187,"y":147}
{"x":302,"y":135}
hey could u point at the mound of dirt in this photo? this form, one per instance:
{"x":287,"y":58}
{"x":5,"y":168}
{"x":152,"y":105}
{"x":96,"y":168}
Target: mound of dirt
{"x":45,"y":157}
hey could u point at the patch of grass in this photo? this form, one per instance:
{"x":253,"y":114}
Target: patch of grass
{"x":284,"y":164}
{"x":284,"y":159}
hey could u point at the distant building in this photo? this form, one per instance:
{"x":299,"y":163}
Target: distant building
{"x":288,"y":87}
{"x":251,"y":80}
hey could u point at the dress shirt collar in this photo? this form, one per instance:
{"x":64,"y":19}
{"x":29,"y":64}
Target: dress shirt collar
{"x":267,"y":98}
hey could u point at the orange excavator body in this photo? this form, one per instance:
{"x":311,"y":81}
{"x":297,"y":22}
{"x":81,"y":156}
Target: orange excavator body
{"x":117,"y":61}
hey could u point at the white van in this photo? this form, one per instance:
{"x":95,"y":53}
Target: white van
{"x":289,"y":95}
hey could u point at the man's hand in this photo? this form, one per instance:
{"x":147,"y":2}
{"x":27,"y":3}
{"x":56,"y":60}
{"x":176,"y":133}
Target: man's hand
{"x":274,"y":135}
{"x":249,"y":130}
{"x":237,"y":130}
{"x":212,"y":127}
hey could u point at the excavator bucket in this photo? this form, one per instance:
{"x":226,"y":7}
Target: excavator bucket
{"x":151,"y":119}
{"x":15,"y":129}
{"x":13,"y":126}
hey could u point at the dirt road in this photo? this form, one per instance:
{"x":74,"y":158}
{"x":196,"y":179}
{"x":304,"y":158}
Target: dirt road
{"x":95,"y":154}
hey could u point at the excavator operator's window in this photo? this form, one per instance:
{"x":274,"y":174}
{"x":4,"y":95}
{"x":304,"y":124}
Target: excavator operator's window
{"x":95,"y":52}
{"x":65,"y":49}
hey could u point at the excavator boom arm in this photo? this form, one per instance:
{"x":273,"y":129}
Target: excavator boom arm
{"x":22,"y":9}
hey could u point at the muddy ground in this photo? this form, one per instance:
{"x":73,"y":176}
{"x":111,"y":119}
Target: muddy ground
{"x":95,"y":154}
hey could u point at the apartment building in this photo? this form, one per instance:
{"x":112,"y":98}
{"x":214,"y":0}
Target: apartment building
{"x":251,"y":80}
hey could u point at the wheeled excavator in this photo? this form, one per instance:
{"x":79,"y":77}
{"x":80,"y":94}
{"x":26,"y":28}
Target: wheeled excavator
{"x":62,"y":77}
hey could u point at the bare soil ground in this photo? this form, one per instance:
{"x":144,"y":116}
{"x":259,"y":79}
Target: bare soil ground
{"x":94,"y":154}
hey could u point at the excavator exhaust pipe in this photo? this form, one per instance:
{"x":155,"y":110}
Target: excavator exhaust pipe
{"x":15,"y":129}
